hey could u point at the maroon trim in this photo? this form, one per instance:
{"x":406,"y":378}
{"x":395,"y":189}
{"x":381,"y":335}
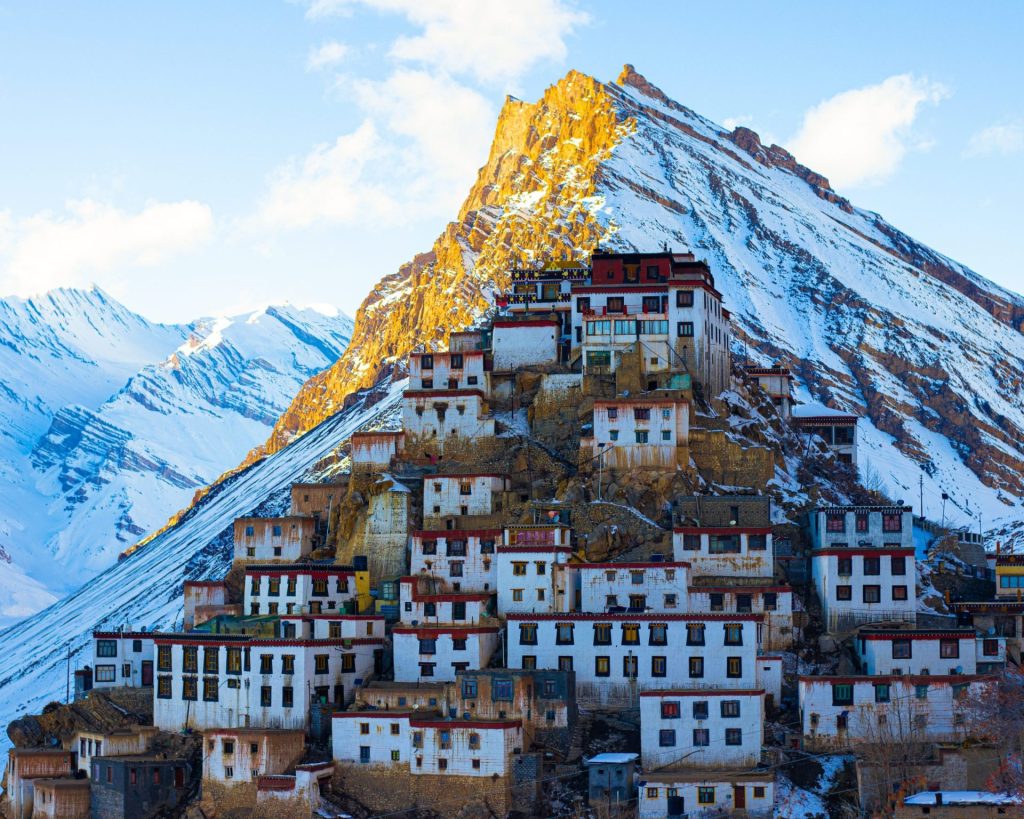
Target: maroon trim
{"x":448,"y":353}
{"x":913,"y":679}
{"x":937,"y":635}
{"x":723,"y":530}
{"x":703,"y":692}
{"x":437,"y":630}
{"x":605,"y":566}
{"x":443,"y":394}
{"x":527,"y":323}
{"x":245,"y":639}
{"x":371,"y":714}
{"x":639,"y":618}
{"x":131,"y":635}
{"x":538,"y":549}
{"x":475,"y":724}
{"x":739,"y":589}
{"x":826,"y":420}
{"x":629,"y":402}
{"x":449,"y":534}
{"x":205,"y":583}
{"x":444,"y":597}
{"x":832,"y":551}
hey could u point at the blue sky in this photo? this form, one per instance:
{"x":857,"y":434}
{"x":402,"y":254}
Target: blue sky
{"x":196,"y":158}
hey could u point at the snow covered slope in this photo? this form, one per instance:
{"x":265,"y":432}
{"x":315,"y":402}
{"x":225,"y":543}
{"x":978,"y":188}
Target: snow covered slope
{"x":930,"y":352}
{"x":112,"y":423}
{"x":145,"y":589}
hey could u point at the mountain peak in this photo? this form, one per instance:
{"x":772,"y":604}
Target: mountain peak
{"x":632,"y":78}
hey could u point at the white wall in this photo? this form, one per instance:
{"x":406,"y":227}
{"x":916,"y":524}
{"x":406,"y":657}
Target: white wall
{"x":443,"y":494}
{"x":533,"y":579}
{"x":748,"y":722}
{"x":876,"y":653}
{"x":524,"y":343}
{"x":664,"y":585}
{"x":477,"y":570}
{"x":655,"y":792}
{"x":132,"y":650}
{"x":261,"y":582}
{"x":747,"y":562}
{"x":445,"y":370}
{"x":480,"y":641}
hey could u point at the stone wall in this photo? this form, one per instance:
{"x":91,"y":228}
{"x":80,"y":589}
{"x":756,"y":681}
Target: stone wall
{"x":723,"y":461}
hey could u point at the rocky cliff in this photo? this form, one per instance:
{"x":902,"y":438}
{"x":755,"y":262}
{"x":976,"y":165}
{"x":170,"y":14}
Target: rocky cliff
{"x":869,"y":319}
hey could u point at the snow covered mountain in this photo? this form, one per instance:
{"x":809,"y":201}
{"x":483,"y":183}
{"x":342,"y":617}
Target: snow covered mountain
{"x":113,"y":422}
{"x":930,"y":352}
{"x":145,"y":589}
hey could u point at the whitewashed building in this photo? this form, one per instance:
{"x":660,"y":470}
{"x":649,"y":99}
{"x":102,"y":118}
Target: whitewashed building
{"x":863,"y":564}
{"x":525,"y":342}
{"x":463,"y":370}
{"x":642,"y":587}
{"x":533,"y":573}
{"x":304,"y":588}
{"x":438,"y":419}
{"x":721,"y":728}
{"x":132,"y":741}
{"x":712,"y":793}
{"x":426,"y":745}
{"x":465,"y":558}
{"x":229,"y":681}
{"x":839,"y":712}
{"x":674,"y":297}
{"x":374,"y":451}
{"x":461,"y":495}
{"x":777,"y":382}
{"x":122,"y":658}
{"x":435,"y":652}
{"x":333,"y":627}
{"x":919,"y":651}
{"x":635,"y":433}
{"x":615,"y":656}
{"x":836,"y":429}
{"x":268,"y":539}
{"x":725,"y":551}
{"x":424,"y":599}
{"x":236,"y":756}
{"x":746,"y":595}
{"x":203,"y":599}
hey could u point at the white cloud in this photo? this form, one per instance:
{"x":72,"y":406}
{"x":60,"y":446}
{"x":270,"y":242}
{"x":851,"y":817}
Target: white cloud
{"x":731,"y":122}
{"x":88,"y":237}
{"x":415,"y":154}
{"x":1004,"y":139}
{"x":861,"y":136}
{"x":326,"y":56}
{"x":490,"y":40}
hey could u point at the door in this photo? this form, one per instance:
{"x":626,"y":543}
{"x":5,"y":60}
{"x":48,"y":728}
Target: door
{"x":147,"y":672}
{"x":739,"y":797}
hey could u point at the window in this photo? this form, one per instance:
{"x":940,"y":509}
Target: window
{"x":469,"y":688}
{"x":921,"y":692}
{"x":602,"y":666}
{"x":613,"y":413}
{"x":210,"y":689}
{"x":670,"y":601}
{"x":733,"y":736}
{"x":691,"y":543}
{"x":862,"y":521}
{"x":602,"y":634}
{"x":733,"y":667}
{"x":700,"y":709}
{"x":427,"y":669}
{"x":771,"y":601}
{"x":599,"y":328}
{"x":724,"y":544}
{"x":163,"y":687}
{"x":624,"y":327}
{"x":990,"y":648}
{"x":730,"y":709}
{"x":565,"y":663}
{"x":458,"y":644}
{"x":949,"y":649}
{"x":629,"y":667}
{"x":898,"y":565}
{"x":106,"y":673}
{"x":641,"y":436}
{"x":211,"y":660}
{"x":659,"y":666}
{"x":249,"y":531}
{"x":427,"y":362}
{"x":527,"y":634}
{"x":540,"y":567}
{"x":899,"y":592}
{"x":684,"y":298}
{"x":428,"y":645}
{"x":277,"y":531}
{"x":616,"y":304}
{"x":757,"y":543}
{"x":842,"y":694}
{"x":517,"y":595}
{"x":733,"y":634}
{"x":163,"y":658}
{"x":320,"y":663}
{"x":892,"y":522}
{"x":684,"y":329}
{"x":881,"y":692}
{"x":563,"y":634}
{"x":666,"y":435}
{"x":630,"y":634}
{"x":701,"y":737}
{"x":667,"y":738}
{"x":695,"y":634}
{"x":290,"y":589}
{"x":190,"y":658}
{"x":872,"y":566}
{"x":845,"y":566}
{"x":670,"y":709}
{"x":835,"y":522}
{"x":844,"y":592}
{"x":266,"y":664}
{"x":657,"y":634}
{"x":872,"y":594}
{"x":106,"y":648}
{"x":696,"y":667}
{"x":613,"y":434}
{"x":190,"y":688}
{"x":519,"y":569}
{"x":902,"y":649}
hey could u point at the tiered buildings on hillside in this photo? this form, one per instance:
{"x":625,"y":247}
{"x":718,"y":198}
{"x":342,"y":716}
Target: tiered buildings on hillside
{"x":442,"y":627}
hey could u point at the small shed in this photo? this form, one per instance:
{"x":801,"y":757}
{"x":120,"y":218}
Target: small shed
{"x":610,"y":778}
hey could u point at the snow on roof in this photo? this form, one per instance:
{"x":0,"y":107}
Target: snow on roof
{"x":611,"y":759}
{"x":964,"y":798}
{"x":816,"y":410}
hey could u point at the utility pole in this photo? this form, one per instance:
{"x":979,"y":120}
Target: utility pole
{"x":920,"y":489}
{"x":67,"y":678}
{"x":945,"y":497}
{"x":600,"y":468}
